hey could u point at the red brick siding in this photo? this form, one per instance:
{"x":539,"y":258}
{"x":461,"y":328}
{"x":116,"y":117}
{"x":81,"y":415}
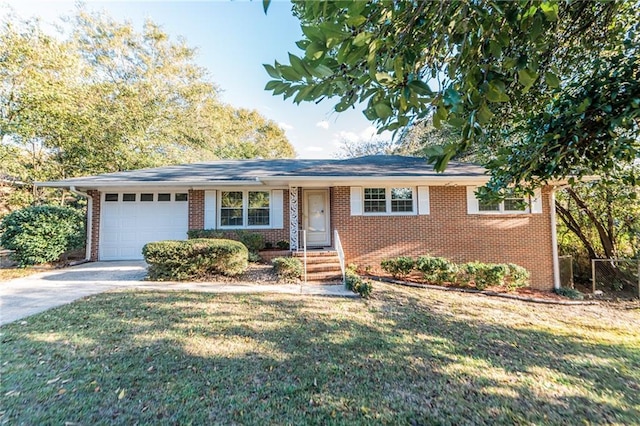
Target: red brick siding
{"x":196,"y":209}
{"x":94,"y":223}
{"x":196,"y":217}
{"x":449,"y":232}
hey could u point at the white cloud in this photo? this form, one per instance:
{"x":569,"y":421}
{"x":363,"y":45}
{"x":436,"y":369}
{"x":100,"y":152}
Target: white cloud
{"x":366,"y":135}
{"x":285,"y":126}
{"x":314,"y":148}
{"x":324,"y":124}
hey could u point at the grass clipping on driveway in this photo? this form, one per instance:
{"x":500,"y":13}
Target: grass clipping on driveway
{"x":408,"y":356}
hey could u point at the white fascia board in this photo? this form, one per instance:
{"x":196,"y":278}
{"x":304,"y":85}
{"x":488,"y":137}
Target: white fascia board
{"x":149,"y":184}
{"x":313,"y":181}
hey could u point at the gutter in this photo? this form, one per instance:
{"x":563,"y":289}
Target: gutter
{"x":87,"y":253}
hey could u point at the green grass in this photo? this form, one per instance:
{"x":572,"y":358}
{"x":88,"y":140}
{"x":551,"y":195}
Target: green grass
{"x":407,"y":356}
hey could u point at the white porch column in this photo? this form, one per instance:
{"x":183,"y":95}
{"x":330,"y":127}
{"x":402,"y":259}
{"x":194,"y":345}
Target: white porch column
{"x":293,"y":217}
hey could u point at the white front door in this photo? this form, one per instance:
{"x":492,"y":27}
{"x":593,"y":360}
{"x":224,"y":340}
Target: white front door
{"x":316,"y":217}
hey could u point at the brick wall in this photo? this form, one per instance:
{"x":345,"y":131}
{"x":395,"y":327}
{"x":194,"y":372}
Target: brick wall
{"x":95,"y":224}
{"x":196,"y":217}
{"x":196,"y":209}
{"x":449,"y":232}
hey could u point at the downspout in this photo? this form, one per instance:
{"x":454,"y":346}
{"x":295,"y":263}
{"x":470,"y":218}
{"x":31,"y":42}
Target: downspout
{"x":87,"y":254}
{"x":554,"y":239}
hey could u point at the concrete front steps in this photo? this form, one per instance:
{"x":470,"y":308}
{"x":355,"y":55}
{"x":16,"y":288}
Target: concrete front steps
{"x":323,"y":266}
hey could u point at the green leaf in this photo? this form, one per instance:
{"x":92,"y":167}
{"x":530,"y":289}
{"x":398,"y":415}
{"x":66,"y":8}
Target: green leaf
{"x":383,"y":77}
{"x":551,"y":79}
{"x":496,"y":92}
{"x":484,"y":114}
{"x":362,"y":39}
{"x":265,"y":5}
{"x":550,"y":10}
{"x":315,"y":50}
{"x":272,"y":71}
{"x":356,"y":21}
{"x":288,"y":73}
{"x":383,"y":110}
{"x":420,"y":87}
{"x":322,"y":71}
{"x":272,"y":84}
{"x":298,"y":66}
{"x":583,"y":106}
{"x":527,"y":78}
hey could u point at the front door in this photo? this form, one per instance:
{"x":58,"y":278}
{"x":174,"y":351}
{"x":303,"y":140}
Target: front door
{"x":316,"y":217}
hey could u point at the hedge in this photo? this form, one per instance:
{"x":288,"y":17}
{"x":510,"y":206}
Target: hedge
{"x":41,"y":234}
{"x":254,"y":241}
{"x":288,"y":268}
{"x":196,"y":258}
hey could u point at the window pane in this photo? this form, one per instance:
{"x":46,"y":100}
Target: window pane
{"x":231,"y":199}
{"x":258,"y":211}
{"x":181,"y":197}
{"x":231,"y":208}
{"x":128,"y":197}
{"x":488,"y":207}
{"x":164,"y":197}
{"x":515,"y":204}
{"x":375,"y":200}
{"x":146,"y":197}
{"x":230,"y":217}
{"x":111,"y":197}
{"x":401,"y":200}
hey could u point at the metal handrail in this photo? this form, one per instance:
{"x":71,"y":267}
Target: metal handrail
{"x":304,"y":252}
{"x":340,"y":251}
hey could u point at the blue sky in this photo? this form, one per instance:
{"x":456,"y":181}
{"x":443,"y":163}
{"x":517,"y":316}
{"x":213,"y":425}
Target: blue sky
{"x":234,"y":39}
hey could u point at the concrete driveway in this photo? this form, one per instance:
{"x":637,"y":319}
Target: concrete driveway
{"x":22,"y":297}
{"x":36,"y":293}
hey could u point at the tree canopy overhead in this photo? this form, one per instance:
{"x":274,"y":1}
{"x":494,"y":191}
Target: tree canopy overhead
{"x":548,"y":89}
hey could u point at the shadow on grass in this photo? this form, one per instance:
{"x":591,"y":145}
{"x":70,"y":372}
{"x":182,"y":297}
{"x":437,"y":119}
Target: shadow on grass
{"x":260,"y":359}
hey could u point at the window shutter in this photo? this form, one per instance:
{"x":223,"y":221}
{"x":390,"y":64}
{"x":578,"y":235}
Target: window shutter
{"x":356,"y":201}
{"x":536,"y":201}
{"x":210,"y":206}
{"x":277,"y":209}
{"x":472,"y":201}
{"x":423,"y":200}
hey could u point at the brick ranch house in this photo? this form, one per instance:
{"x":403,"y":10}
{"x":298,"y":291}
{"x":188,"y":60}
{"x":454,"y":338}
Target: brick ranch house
{"x":380,"y":207}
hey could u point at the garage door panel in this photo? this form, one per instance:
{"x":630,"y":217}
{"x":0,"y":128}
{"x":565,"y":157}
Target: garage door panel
{"x":127,"y":226}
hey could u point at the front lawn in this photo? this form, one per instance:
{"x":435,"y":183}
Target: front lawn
{"x":12,"y":273}
{"x":407,"y":356}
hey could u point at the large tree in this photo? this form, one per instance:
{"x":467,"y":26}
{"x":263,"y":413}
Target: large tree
{"x":546,"y":89}
{"x":104,"y":97}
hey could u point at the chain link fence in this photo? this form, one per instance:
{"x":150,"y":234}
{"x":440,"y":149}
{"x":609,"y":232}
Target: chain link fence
{"x":620,"y":276}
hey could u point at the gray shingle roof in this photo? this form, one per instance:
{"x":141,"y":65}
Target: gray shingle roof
{"x":246,"y":171}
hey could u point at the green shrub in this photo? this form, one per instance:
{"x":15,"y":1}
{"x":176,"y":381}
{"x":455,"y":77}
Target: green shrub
{"x":517,"y":276}
{"x":357,"y":284}
{"x":283,"y":245}
{"x":196,"y":258}
{"x":253,"y":241}
{"x":288,"y":268}
{"x":437,"y":269}
{"x":41,"y":234}
{"x":398,"y":267}
{"x":483,"y":275}
{"x":571,"y":293}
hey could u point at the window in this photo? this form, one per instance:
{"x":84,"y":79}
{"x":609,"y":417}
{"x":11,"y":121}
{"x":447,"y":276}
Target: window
{"x":401,"y":200}
{"x":111,"y":197}
{"x":231,"y":208}
{"x":388,"y":200}
{"x":164,"y":197}
{"x":128,"y":197}
{"x":375,"y":200}
{"x":241,"y":209}
{"x":146,"y":197}
{"x":510,"y":205}
{"x":258,"y":210}
{"x":182,"y":197}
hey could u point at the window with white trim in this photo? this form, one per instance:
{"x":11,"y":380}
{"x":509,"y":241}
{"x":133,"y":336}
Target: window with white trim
{"x":242,"y":209}
{"x":389,"y":200}
{"x":510,"y":205}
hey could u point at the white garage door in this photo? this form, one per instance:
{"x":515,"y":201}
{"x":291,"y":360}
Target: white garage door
{"x":130,"y":220}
